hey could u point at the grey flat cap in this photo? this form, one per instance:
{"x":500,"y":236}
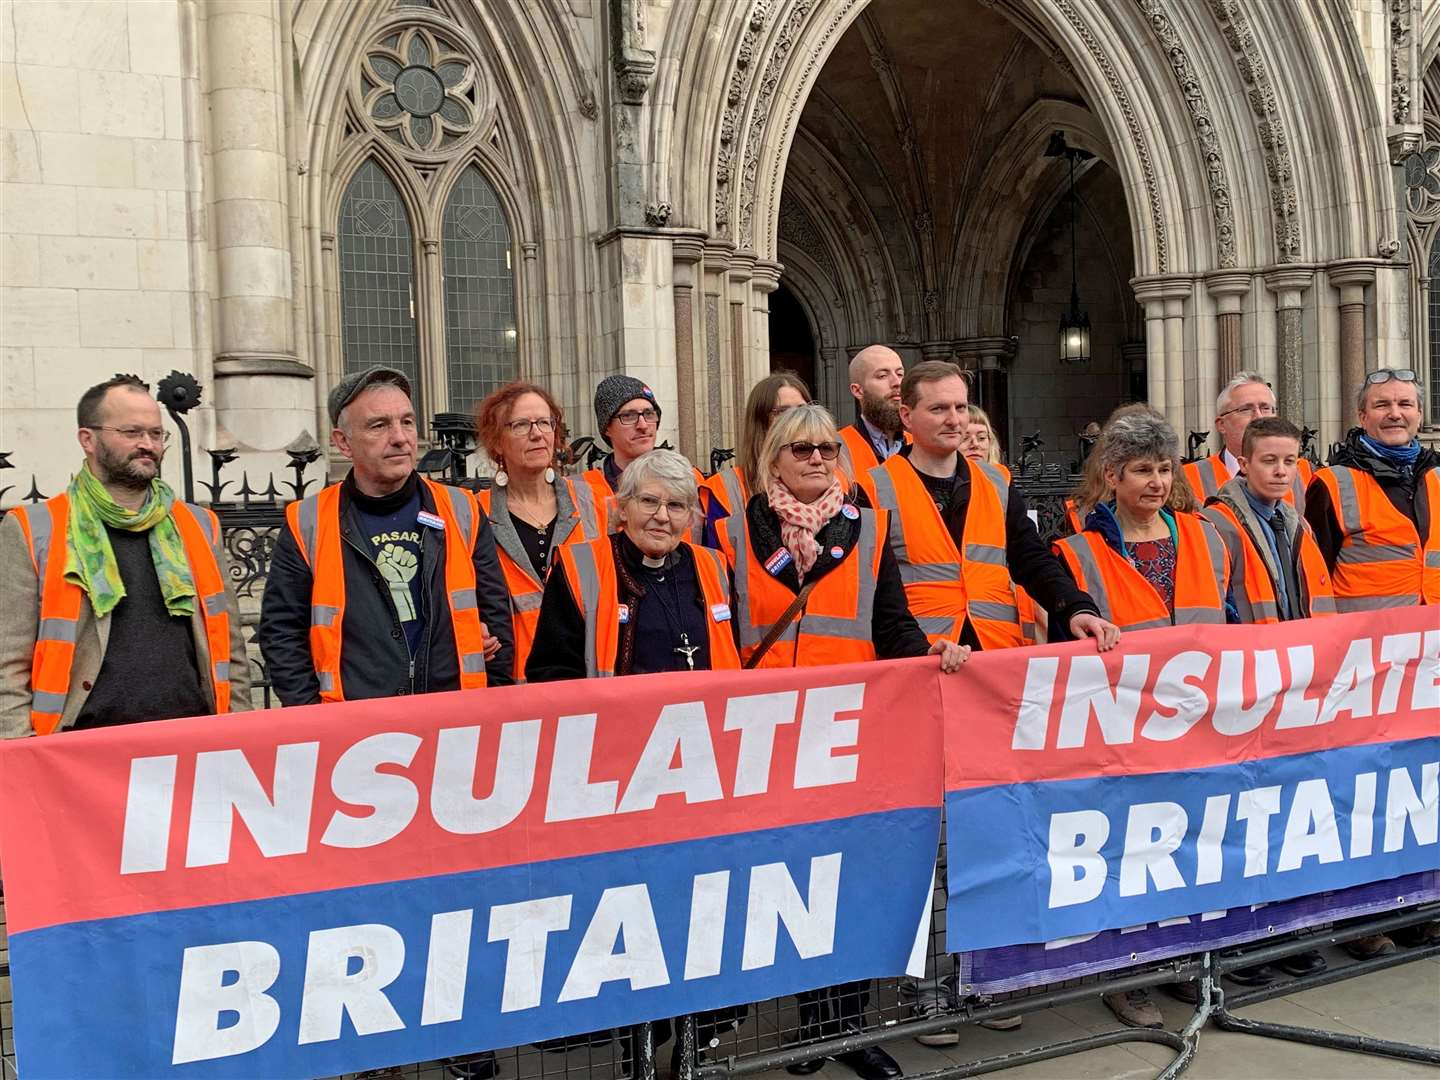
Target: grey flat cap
{"x":346,"y":390}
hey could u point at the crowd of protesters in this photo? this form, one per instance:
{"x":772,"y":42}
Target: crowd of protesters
{"x":899,"y":534}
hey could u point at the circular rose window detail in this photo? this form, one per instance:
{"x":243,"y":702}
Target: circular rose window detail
{"x":419,"y":89}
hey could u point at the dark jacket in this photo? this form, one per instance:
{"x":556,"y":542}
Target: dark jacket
{"x":559,"y":649}
{"x":375,"y":661}
{"x":1032,"y":565}
{"x":1400,"y":486}
{"x":892,"y":627}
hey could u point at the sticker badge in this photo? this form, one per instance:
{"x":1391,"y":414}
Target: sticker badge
{"x":837,"y":553}
{"x":624,"y":610}
{"x":434,"y":521}
{"x":720,"y":612}
{"x":777,"y":562}
{"x":849,"y":511}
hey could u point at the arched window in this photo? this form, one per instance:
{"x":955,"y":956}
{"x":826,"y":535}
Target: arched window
{"x":1433,"y":301}
{"x":377,"y":276}
{"x":480,"y":331}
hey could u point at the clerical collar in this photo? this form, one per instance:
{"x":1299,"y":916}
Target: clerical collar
{"x":654,"y":564}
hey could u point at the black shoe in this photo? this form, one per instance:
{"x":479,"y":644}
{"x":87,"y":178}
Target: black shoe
{"x":1418,"y":936}
{"x":806,"y":1067}
{"x":1305,"y":963}
{"x":1188,"y":992}
{"x":1259,"y":975}
{"x":482,"y":1066}
{"x":872,"y":1063}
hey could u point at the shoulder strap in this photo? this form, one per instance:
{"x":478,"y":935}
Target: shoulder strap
{"x":781,"y":624}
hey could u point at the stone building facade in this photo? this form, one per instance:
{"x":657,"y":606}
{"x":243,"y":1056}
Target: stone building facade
{"x":265,"y":192}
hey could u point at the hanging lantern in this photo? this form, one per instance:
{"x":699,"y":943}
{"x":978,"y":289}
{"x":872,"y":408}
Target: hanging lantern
{"x":1074,"y":324}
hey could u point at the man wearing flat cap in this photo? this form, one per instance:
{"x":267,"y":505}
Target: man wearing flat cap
{"x":386,"y":583}
{"x":628,"y":419}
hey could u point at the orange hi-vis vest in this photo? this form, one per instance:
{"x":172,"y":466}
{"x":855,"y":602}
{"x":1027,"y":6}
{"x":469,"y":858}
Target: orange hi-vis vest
{"x":589,"y":570}
{"x":1202,"y":577}
{"x":1254,"y":592}
{"x":862,"y":451}
{"x":1383,"y":562}
{"x":729,"y":489}
{"x":1029,"y":617}
{"x":941,"y":587}
{"x":603,"y":495}
{"x":44,"y":528}
{"x":836,"y":624}
{"x":315,"y":524}
{"x":526,"y":587}
{"x":1208,"y":475}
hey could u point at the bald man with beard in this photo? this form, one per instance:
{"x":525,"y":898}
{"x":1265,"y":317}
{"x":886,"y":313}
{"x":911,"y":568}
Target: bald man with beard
{"x":877,"y":433}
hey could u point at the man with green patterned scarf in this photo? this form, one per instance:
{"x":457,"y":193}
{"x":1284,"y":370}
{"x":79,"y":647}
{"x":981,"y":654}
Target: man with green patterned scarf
{"x":116,"y":595}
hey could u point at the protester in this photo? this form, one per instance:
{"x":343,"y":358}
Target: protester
{"x":533,"y":510}
{"x":980,"y":442}
{"x":1246,"y":397}
{"x":802,"y":545}
{"x":117,"y":598}
{"x":643,"y":599}
{"x":943,"y":505}
{"x":1376,"y":515}
{"x":876,"y":434}
{"x":374,"y":585}
{"x":730,"y":488}
{"x":1148,"y":561}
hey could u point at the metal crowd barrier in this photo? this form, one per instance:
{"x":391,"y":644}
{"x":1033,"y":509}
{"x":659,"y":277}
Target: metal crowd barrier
{"x":770,"y":1036}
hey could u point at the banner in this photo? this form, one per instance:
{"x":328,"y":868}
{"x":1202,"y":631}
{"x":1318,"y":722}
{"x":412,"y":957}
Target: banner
{"x":1016,"y":967}
{"x":320,"y":890}
{"x":1192,"y":769}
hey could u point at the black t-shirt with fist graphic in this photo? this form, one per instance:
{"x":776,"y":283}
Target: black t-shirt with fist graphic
{"x":391,"y":527}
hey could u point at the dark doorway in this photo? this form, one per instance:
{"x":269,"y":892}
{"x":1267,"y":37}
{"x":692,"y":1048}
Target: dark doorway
{"x":792,"y":345}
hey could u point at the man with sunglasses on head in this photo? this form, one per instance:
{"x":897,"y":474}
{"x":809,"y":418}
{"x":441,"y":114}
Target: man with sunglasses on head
{"x":117,"y":598}
{"x":1246,"y":397}
{"x":1376,"y":514}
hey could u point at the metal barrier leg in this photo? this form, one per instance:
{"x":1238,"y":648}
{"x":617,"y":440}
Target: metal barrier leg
{"x":1336,"y":1040}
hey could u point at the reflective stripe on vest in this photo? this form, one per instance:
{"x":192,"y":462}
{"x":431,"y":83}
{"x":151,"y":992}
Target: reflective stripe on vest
{"x":1129,"y":601}
{"x":60,"y":603}
{"x":941,"y":587}
{"x":728,"y":488}
{"x":1382,"y":562}
{"x":315,"y":524}
{"x":601,"y":496}
{"x":1207,"y":476}
{"x":1253,"y":590}
{"x":836,"y":626}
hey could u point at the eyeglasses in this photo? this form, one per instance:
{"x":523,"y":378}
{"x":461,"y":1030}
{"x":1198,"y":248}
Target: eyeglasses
{"x":631,"y":417}
{"x":1375,"y":378}
{"x":651,"y":505}
{"x":803,"y":451}
{"x":521,"y":428}
{"x":136,"y":434}
{"x":1255,"y":408}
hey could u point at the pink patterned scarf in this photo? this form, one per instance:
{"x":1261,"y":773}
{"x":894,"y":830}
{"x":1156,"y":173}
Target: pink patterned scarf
{"x":799,"y":522}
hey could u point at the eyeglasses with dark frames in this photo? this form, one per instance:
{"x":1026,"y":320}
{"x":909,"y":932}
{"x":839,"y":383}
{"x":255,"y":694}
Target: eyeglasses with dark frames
{"x":521,"y":428}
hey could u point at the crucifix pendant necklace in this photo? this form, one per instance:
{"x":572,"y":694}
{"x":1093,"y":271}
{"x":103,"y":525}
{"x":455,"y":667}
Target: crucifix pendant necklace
{"x":672,"y":616}
{"x":687,"y":650}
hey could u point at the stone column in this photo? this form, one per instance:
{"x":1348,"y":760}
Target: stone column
{"x":1289,"y":284}
{"x":262,"y":390}
{"x":1351,"y":277}
{"x":688,"y":251}
{"x":738,"y":278}
{"x":1164,"y":301}
{"x":765,"y":282}
{"x":1229,"y":290}
{"x":638,"y":313}
{"x":716,"y":317}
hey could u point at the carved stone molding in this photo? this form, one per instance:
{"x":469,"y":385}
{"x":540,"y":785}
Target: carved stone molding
{"x":1401,"y":62}
{"x":658,"y":214}
{"x":1203,"y":120}
{"x":634,"y":64}
{"x":734,"y":104}
{"x":798,"y":229}
{"x":1132,"y":126}
{"x":1269,"y":125}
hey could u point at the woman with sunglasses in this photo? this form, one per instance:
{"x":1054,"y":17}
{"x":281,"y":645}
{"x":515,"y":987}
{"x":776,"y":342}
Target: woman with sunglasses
{"x":729,"y":489}
{"x":533,"y":510}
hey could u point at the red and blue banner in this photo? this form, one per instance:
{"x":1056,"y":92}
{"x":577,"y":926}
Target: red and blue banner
{"x":326,"y":889}
{"x":1191,"y":770}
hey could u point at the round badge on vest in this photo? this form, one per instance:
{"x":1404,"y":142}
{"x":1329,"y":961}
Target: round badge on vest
{"x":837,"y":553}
{"x":849,"y":511}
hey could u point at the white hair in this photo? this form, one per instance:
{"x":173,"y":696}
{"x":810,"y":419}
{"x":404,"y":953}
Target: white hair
{"x":1242,"y":378}
{"x":667,"y":467}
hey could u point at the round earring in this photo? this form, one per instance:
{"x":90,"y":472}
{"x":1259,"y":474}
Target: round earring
{"x":501,"y":476}
{"x":549,"y":475}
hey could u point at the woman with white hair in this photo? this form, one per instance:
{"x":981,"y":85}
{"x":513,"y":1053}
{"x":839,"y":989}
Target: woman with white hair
{"x":643,"y":599}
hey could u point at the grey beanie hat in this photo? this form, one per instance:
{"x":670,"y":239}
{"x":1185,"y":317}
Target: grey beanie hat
{"x":613,"y":392}
{"x":348,"y":388}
